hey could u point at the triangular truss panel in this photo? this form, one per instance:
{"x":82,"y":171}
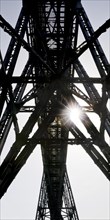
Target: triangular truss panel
{"x":53,"y":83}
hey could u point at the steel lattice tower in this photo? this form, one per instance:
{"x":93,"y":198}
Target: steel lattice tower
{"x":47,"y":88}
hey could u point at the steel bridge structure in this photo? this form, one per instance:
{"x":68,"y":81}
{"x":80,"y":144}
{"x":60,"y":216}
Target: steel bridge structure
{"x":53,"y":82}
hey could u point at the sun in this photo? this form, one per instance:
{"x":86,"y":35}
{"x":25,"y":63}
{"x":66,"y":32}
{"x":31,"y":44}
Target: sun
{"x":71,"y":113}
{"x":74,"y":114}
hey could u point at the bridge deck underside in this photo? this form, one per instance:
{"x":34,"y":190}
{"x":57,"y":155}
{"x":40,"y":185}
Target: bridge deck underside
{"x":47,"y":30}
{"x":52,"y":81}
{"x":52,"y":32}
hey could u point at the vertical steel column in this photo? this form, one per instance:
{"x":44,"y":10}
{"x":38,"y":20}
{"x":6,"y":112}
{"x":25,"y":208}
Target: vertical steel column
{"x":68,"y":209}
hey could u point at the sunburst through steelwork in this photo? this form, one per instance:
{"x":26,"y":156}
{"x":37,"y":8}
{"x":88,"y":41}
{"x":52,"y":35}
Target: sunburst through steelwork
{"x":50,"y":88}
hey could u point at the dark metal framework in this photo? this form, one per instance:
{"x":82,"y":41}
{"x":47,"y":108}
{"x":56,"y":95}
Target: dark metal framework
{"x":53,"y":61}
{"x":68,"y":208}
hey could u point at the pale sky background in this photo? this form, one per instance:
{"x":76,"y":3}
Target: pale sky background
{"x":91,"y":189}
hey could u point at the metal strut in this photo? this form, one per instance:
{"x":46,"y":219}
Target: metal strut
{"x":45,"y":88}
{"x":68,"y":209}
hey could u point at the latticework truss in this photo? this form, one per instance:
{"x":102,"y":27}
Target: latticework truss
{"x":53,"y":81}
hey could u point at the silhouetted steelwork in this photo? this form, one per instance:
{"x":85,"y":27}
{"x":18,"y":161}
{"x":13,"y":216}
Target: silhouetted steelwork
{"x":53,"y":73}
{"x":66,"y":211}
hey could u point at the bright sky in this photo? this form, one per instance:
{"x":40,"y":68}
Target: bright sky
{"x":91,"y":189}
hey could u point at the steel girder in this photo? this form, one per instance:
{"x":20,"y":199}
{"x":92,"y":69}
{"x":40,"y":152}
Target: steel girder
{"x":50,"y":69}
{"x":68,"y":209}
{"x":11,"y":55}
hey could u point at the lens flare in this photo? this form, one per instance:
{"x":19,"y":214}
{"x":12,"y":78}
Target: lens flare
{"x":71,"y":112}
{"x":74,"y":114}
